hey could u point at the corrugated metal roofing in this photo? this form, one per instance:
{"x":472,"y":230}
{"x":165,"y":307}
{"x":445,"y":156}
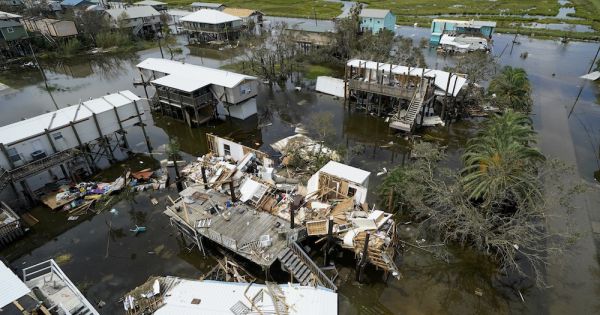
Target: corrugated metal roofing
{"x":133,"y":12}
{"x":6,"y":15}
{"x":347,"y":172}
{"x":183,"y":72}
{"x":182,"y":82}
{"x":374,"y":13}
{"x":208,"y":16}
{"x":441,"y":77}
{"x":217,"y":298}
{"x":62,"y":117}
{"x":471,"y":23}
{"x":206,"y":4}
{"x":11,"y":287}
{"x":149,"y":2}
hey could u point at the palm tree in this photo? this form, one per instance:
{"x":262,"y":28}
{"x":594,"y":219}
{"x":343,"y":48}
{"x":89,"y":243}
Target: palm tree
{"x":500,"y":162}
{"x":512,"y":89}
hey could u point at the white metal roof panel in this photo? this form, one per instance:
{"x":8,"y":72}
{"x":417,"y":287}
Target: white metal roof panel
{"x":329,"y":85}
{"x":62,"y":117}
{"x":133,"y":12}
{"x":353,"y":174}
{"x":149,"y":2}
{"x":374,"y":13}
{"x":206,"y":5}
{"x":11,"y":287}
{"x":470,"y":23}
{"x":441,"y":77}
{"x":182,"y":82}
{"x":6,"y":15}
{"x":216,"y":298}
{"x":208,"y":16}
{"x":213,"y":76}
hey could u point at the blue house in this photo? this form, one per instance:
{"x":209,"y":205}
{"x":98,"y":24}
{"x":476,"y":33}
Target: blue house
{"x":72,"y":4}
{"x":374,"y":20}
{"x":471,"y":28}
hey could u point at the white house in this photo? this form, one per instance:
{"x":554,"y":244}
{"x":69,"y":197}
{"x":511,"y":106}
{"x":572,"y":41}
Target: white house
{"x":35,"y":149}
{"x":141,"y":19}
{"x":343,"y":179}
{"x":212,"y":25}
{"x":196,"y":90}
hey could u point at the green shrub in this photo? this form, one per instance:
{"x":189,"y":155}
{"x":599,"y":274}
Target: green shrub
{"x":112,"y":39}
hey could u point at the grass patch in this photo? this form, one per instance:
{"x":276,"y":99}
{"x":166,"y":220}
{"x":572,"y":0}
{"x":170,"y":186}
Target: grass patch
{"x":287,"y":8}
{"x":313,"y":71}
{"x":436,"y":7}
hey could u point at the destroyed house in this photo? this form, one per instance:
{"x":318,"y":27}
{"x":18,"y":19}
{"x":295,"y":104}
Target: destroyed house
{"x":41,"y":149}
{"x":238,"y":203}
{"x":51,"y":27}
{"x":454,"y":28}
{"x":411,"y":92}
{"x":211,"y":25}
{"x":338,"y":180}
{"x":196,"y":94}
{"x":12,"y":36}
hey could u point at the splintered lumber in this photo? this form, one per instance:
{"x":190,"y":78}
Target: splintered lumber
{"x":318,"y":227}
{"x":340,"y":210}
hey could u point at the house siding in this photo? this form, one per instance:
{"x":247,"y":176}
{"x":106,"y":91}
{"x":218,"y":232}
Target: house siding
{"x":375,"y":25}
{"x":17,"y":33}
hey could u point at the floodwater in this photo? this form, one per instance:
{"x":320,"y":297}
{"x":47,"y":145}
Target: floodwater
{"x":107,"y":264}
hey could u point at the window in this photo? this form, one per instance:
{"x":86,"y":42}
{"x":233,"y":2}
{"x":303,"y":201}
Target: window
{"x":57,"y":136}
{"x":227,"y":149}
{"x":351,"y":191}
{"x":10,"y":30}
{"x":13,"y":155}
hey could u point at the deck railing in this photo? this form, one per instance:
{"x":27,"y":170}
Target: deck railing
{"x":384,"y":89}
{"x":37,"y":166}
{"x":50,"y":267}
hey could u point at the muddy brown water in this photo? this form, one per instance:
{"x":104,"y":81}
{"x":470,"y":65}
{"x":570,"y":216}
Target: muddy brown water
{"x":106,"y":266}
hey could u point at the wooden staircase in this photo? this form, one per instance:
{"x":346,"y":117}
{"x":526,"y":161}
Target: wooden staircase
{"x":407,"y":122}
{"x":303,"y":268}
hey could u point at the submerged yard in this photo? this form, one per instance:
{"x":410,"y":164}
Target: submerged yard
{"x":105,"y":259}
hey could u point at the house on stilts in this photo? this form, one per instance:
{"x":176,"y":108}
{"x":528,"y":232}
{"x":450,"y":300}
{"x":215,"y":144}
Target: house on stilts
{"x":66,"y":143}
{"x":197,"y":94}
{"x":413,"y":96}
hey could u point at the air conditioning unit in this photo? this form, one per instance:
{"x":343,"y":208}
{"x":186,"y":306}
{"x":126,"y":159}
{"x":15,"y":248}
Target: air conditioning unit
{"x":39,"y":154}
